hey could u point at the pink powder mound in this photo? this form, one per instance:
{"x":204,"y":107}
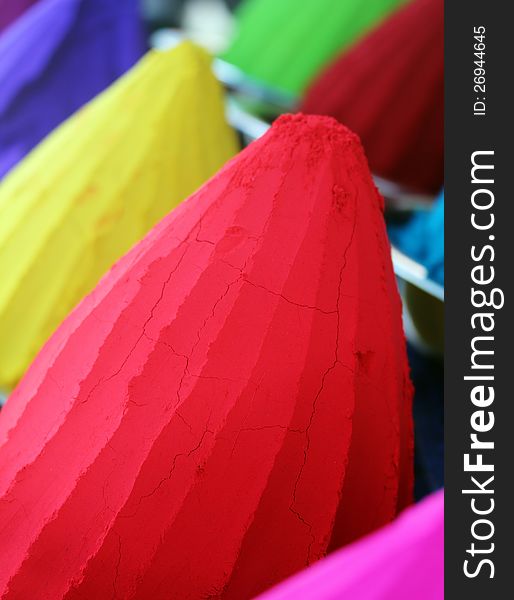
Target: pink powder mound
{"x":403,"y":561}
{"x":231,"y":400}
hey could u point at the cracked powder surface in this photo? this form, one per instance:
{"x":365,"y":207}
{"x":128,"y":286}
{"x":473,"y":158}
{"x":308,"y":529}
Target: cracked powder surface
{"x":403,"y":560}
{"x":97,"y":185}
{"x":229,"y":403}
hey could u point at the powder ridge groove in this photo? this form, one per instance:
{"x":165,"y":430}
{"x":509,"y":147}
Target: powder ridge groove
{"x":97,"y":185}
{"x":415,"y":539}
{"x":203,"y":415}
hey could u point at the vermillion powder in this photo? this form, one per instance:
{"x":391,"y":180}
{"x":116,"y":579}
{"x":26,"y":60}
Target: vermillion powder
{"x":231,"y":399}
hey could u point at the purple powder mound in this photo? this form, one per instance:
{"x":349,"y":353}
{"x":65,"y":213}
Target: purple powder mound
{"x":10,"y":10}
{"x":54,"y":59}
{"x":402,"y":561}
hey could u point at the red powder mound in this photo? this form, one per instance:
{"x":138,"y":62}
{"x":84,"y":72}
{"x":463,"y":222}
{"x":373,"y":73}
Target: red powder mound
{"x":390,"y":89}
{"x":232,"y":398}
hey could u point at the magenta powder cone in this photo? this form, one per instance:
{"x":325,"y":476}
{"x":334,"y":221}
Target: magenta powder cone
{"x":55,"y":58}
{"x":10,"y":10}
{"x":403,"y":561}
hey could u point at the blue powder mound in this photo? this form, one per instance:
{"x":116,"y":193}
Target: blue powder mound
{"x":422,"y":239}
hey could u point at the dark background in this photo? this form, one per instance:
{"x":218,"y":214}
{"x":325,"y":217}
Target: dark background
{"x":465,"y":134}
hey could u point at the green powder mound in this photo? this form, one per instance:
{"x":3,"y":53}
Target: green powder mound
{"x":285,"y":43}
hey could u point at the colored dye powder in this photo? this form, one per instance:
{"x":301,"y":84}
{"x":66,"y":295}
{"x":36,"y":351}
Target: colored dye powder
{"x":402,"y":561}
{"x":422,"y":238}
{"x":10,"y":10}
{"x":97,"y":185}
{"x":285,"y":44}
{"x":54,"y":59}
{"x":390,"y":90}
{"x":223,"y":405}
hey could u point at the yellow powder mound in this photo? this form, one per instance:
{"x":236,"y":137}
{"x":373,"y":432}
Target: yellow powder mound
{"x":95,"y":187}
